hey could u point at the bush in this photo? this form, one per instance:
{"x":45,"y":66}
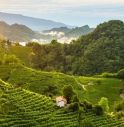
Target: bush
{"x":120,"y":74}
{"x":87,"y":105}
{"x":120,"y":115}
{"x":86,"y":123}
{"x":121,"y":91}
{"x":10,"y":59}
{"x":98,"y":110}
{"x":109,"y":75}
{"x":74,"y":107}
{"x":119,"y":107}
{"x":104,"y":104}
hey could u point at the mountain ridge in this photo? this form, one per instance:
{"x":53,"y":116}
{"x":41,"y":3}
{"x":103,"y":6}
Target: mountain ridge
{"x":16,"y":32}
{"x":36,"y":24}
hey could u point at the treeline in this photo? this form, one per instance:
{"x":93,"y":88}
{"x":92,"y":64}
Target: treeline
{"x":100,"y":51}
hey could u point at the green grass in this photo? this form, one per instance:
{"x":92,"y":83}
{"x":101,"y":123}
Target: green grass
{"x":41,"y":82}
{"x":36,"y":81}
{"x":101,"y":87}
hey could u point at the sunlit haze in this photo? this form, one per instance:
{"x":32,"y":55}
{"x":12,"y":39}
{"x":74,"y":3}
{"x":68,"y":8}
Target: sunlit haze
{"x":71,"y":12}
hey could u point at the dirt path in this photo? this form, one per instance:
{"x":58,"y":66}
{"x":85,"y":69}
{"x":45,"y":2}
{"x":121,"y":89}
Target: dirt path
{"x":83,"y":86}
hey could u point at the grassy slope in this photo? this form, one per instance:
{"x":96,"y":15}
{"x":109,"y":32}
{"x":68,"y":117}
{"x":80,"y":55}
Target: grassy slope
{"x":36,"y":81}
{"x":39,"y":82}
{"x":101,"y":87}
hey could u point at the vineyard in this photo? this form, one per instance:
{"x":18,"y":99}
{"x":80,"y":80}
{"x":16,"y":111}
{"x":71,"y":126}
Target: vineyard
{"x":21,"y":108}
{"x":102,"y":121}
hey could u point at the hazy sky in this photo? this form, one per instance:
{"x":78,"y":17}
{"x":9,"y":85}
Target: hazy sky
{"x":72,"y":12}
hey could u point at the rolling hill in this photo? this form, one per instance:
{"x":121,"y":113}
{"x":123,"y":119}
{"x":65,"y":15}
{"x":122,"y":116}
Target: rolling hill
{"x":33,"y":80}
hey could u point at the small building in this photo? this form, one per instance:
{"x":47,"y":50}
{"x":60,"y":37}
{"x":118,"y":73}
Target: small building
{"x":61,"y":101}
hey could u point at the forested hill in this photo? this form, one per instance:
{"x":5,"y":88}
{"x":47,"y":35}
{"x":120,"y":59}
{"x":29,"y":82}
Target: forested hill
{"x":102,"y":50}
{"x":97,"y":52}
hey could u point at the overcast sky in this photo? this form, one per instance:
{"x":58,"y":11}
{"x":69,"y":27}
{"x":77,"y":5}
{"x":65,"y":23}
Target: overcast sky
{"x":71,"y":12}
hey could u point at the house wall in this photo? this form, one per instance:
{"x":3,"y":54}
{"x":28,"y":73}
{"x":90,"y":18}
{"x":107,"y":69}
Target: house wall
{"x":61,"y":104}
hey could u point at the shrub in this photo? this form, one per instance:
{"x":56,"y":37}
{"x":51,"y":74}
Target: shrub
{"x":74,"y":106}
{"x":98,"y":110}
{"x":10,"y":59}
{"x":119,"y":107}
{"x":86,"y":105}
{"x":121,"y":91}
{"x":104,"y":104}
{"x":109,"y":75}
{"x":120,"y":74}
{"x":86,"y":123}
{"x":120,"y":115}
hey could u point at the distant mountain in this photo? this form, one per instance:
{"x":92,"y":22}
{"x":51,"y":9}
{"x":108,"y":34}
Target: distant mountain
{"x":68,"y":32}
{"x":60,"y":29}
{"x":79,"y":31}
{"x":17,"y":32}
{"x":23,"y":28}
{"x":35,"y":24}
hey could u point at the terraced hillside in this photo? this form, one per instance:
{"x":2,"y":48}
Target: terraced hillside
{"x":21,"y":108}
{"x":90,"y":88}
{"x":102,"y":121}
{"x":21,"y":76}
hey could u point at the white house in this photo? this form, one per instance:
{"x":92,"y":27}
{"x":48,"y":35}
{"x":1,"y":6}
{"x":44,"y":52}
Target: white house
{"x":61,"y":101}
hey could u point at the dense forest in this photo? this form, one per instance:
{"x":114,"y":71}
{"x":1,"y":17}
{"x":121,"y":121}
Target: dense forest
{"x":98,"y":52}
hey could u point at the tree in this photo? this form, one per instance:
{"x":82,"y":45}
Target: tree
{"x":74,"y":106}
{"x":54,"y":42}
{"x":10,"y":59}
{"x":120,"y":74}
{"x":68,"y":93}
{"x":104,"y":104}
